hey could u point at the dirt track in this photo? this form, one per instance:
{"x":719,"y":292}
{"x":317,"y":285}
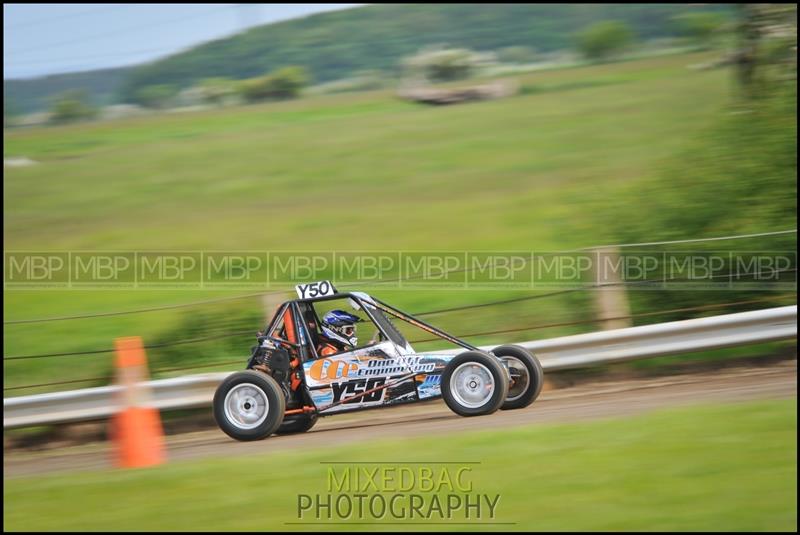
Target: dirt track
{"x":587,"y":401}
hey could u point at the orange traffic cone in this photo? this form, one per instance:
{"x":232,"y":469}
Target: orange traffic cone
{"x":135,"y":429}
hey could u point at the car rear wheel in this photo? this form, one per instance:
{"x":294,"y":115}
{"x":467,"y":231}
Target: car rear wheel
{"x":249,"y":405}
{"x":474,"y":383}
{"x":527,"y":376}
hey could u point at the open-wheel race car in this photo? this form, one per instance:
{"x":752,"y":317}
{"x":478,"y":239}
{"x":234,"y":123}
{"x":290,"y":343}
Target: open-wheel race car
{"x":303,"y":368}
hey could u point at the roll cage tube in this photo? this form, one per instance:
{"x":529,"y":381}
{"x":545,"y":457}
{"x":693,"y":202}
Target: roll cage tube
{"x":281,"y":314}
{"x":385,"y":326}
{"x":378,"y":321}
{"x":275,"y":319}
{"x":365,"y":305}
{"x":304,"y":339}
{"x":421,"y":324}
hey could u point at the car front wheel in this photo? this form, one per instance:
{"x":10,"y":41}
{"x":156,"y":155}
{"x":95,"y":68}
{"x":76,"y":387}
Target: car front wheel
{"x":249,"y":405}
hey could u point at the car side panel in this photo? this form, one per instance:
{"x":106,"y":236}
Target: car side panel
{"x":429,"y":382}
{"x":345,"y":375}
{"x":338,"y":377}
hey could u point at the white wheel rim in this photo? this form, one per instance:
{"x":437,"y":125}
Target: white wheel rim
{"x":472,"y":385}
{"x":246,"y":406}
{"x":521,"y":378}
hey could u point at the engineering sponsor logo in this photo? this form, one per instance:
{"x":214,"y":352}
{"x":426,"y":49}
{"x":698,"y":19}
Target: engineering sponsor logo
{"x":323,"y":370}
{"x":330,"y":370}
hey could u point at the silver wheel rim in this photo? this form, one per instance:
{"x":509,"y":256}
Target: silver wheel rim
{"x":522,"y":379}
{"x":472,"y":385}
{"x":246,"y":406}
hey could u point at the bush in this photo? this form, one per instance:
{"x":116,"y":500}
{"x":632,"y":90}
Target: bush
{"x":445,"y":64}
{"x":604,"y":40}
{"x":156,"y":96}
{"x":284,"y":83}
{"x":288,"y":81}
{"x":71,"y":106}
{"x":226,"y":333}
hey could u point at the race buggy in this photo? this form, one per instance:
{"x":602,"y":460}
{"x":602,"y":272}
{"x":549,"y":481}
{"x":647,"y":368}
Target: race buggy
{"x":288,"y":385}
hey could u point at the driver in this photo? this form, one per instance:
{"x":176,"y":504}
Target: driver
{"x":339,"y":330}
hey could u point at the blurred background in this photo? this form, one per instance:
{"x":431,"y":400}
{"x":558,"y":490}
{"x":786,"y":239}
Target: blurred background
{"x":353,"y":127}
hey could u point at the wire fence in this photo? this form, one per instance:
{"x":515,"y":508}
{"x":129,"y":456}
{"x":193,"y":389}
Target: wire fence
{"x":236,"y":333}
{"x":485,"y":333}
{"x":426,"y":313}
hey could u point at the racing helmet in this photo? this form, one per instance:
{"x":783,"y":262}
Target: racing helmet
{"x":341,"y":326}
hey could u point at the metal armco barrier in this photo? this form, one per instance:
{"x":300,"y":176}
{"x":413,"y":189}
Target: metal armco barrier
{"x":555,"y":354}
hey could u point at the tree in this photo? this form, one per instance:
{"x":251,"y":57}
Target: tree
{"x":255,"y":89}
{"x":767,"y":36}
{"x":604,"y":40}
{"x":156,"y":96}
{"x":284,"y":83}
{"x":71,"y":106}
{"x":438,"y":64}
{"x":288,"y":81}
{"x":700,"y":27}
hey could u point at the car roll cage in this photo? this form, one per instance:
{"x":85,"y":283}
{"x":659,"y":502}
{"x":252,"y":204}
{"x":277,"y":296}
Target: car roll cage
{"x":296,"y":327}
{"x":300,"y":339}
{"x":366,"y":305}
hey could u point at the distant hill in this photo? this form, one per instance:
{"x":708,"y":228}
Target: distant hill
{"x":336,"y":44}
{"x":34,"y":94}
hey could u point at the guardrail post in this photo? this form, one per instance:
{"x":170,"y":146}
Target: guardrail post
{"x":611,"y":301}
{"x":136,"y":428}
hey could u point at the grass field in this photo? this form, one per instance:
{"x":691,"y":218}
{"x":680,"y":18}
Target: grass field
{"x":205,"y":179}
{"x":359,"y":172}
{"x":706,"y":468}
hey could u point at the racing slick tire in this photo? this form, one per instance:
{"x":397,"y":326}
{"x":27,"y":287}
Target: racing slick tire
{"x":474,"y":384}
{"x":297,"y":424}
{"x":249,"y":405}
{"x":527,"y":376}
